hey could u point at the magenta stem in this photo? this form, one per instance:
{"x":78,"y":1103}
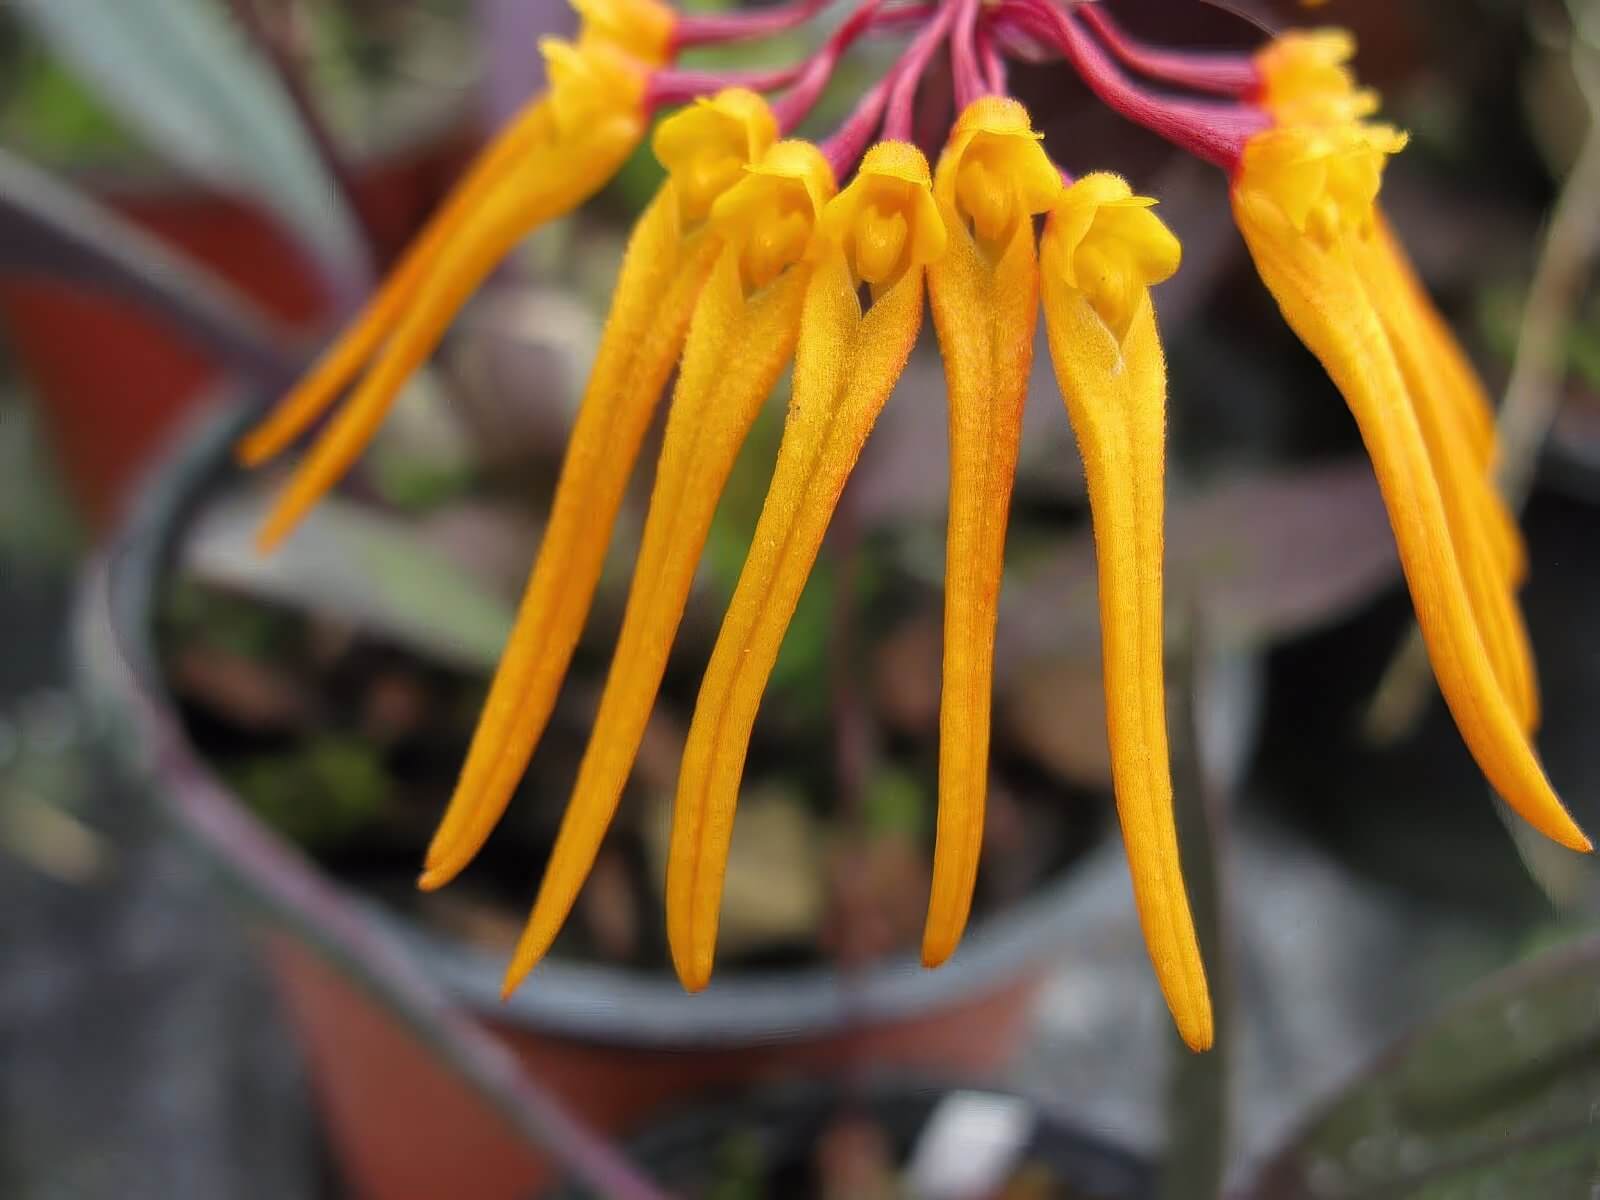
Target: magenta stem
{"x":1215,"y":133}
{"x":799,"y":101}
{"x":992,"y":60}
{"x":906,"y":14}
{"x":908,"y":73}
{"x":706,"y":29}
{"x":849,"y":142}
{"x":1231,"y":75}
{"x":1016,"y":41}
{"x":970,"y":82}
{"x":668,"y":88}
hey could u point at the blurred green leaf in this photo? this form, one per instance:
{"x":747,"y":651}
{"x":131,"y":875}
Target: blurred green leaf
{"x":1500,"y":319}
{"x":896,"y":803}
{"x":318,"y":796}
{"x":360,"y":566}
{"x":180,"y":74}
{"x":1584,"y":347}
{"x":52,"y":116}
{"x":226,"y":621}
{"x":1496,"y":1097}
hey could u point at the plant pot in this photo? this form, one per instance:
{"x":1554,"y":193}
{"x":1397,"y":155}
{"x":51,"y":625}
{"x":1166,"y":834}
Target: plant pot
{"x":113,"y":383}
{"x":615,"y":1044}
{"x":915,"y":1124}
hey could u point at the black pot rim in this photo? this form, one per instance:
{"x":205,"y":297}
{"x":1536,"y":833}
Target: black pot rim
{"x":663,"y":1144}
{"x":611,"y":1005}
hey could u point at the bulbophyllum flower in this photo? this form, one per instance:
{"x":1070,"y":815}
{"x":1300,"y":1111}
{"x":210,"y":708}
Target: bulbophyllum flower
{"x":760,"y":249}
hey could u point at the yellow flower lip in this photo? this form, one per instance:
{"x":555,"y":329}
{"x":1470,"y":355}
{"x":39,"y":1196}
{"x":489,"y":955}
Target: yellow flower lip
{"x":641,"y":27}
{"x":1323,"y":178}
{"x":994,"y":169}
{"x":887,"y":220}
{"x":800,"y":161}
{"x":1329,"y":283}
{"x":590,"y":81}
{"x":771,"y":214}
{"x":750,"y":257}
{"x":706,"y":147}
{"x":1330,"y":46}
{"x":1104,"y":241}
{"x":1305,"y":79}
{"x":1102,"y":247}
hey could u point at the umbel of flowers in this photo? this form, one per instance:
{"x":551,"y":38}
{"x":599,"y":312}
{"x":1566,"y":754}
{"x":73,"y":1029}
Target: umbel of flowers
{"x":760,"y":250}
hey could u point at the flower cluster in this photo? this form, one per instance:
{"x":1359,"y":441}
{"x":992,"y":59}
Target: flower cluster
{"x":760,"y":250}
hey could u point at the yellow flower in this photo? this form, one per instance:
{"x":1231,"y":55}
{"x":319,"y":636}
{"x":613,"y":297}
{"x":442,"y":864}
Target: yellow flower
{"x":642,"y":28}
{"x":1103,"y":249}
{"x":1305,"y":198}
{"x":742,"y":336}
{"x":881,"y":232}
{"x":553,"y":157}
{"x":671,"y":254}
{"x":992,"y":178}
{"x":1305,"y":77}
{"x":749,"y":257}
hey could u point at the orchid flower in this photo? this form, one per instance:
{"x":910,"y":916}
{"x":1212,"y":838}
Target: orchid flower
{"x":761,"y":250}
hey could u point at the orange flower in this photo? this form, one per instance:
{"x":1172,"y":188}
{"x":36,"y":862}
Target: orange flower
{"x":750,"y":257}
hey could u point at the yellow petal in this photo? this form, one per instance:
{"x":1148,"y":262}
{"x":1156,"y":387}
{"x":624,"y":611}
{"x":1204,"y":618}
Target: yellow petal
{"x":1322,"y":299}
{"x":985,"y":311}
{"x":994,"y":168}
{"x":707,"y":146}
{"x":1304,"y":78}
{"x":669,"y":256}
{"x":742,"y":336}
{"x":1471,"y":402}
{"x":1464,"y":486}
{"x":340,"y":363}
{"x":1505,"y":536}
{"x":846,"y":364}
{"x":662,"y":273}
{"x":1469,"y":405}
{"x":549,"y":182}
{"x":1115,"y":387}
{"x":736,"y":350}
{"x":641,"y":27}
{"x":887,"y":219}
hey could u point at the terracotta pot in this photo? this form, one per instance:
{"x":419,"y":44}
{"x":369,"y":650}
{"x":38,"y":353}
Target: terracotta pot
{"x":615,"y":1044}
{"x":113,"y":383}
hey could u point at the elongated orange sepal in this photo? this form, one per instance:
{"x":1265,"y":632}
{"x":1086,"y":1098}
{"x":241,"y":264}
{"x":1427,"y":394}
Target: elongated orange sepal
{"x":591,"y":121}
{"x":662,"y":274}
{"x":343,"y":360}
{"x":1309,"y":270}
{"x":740,"y":340}
{"x":1452,"y":373}
{"x":1102,"y":248}
{"x":984,"y":294}
{"x":663,"y":271}
{"x":884,"y":228}
{"x":1307,"y":85}
{"x":477,"y":247}
{"x":1461,"y":474}
{"x":1445,"y":354}
{"x":845,"y":367}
